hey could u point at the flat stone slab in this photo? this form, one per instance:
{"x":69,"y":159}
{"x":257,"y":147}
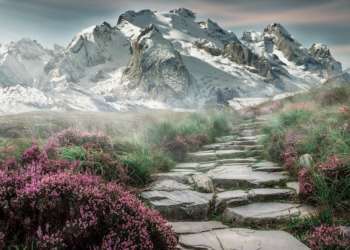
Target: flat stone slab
{"x":212,"y":155}
{"x":230,"y":199}
{"x":240,"y":175}
{"x":267,"y":166}
{"x":248,"y":132}
{"x":193,"y":227}
{"x":237,"y":160}
{"x":195,"y":166}
{"x":240,"y":239}
{"x":243,"y":142}
{"x":234,"y":198}
{"x":267,"y":194}
{"x":225,"y":138}
{"x":266,"y":212}
{"x":228,"y":153}
{"x":249,"y":138}
{"x":202,"y":183}
{"x":168,"y":185}
{"x":229,"y":145}
{"x":179,"y":176}
{"x":293,"y":185}
{"x":179,"y":204}
{"x":202,"y":156}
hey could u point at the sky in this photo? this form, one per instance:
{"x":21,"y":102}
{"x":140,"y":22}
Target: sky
{"x":57,"y":21}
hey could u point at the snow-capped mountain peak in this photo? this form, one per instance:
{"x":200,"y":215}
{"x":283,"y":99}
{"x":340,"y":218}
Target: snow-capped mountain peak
{"x":163,"y":59}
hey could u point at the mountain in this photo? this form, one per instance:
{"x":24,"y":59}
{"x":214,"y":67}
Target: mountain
{"x":158,"y":60}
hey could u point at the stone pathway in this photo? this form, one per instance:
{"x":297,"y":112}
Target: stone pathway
{"x":227,"y":181}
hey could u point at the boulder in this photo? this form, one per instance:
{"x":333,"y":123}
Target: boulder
{"x":179,"y":204}
{"x":306,"y":161}
{"x":203,"y":183}
{"x":242,"y":239}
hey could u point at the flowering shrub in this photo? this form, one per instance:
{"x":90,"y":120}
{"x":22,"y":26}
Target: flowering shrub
{"x":290,"y":154}
{"x":93,"y":153}
{"x":289,"y":157}
{"x":328,"y":237}
{"x":345,"y":110}
{"x":45,"y":204}
{"x":75,"y":137}
{"x":332,"y":163}
{"x":181,"y":144}
{"x":306,"y":186}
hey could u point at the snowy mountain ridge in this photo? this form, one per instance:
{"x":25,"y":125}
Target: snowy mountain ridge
{"x":158,"y":60}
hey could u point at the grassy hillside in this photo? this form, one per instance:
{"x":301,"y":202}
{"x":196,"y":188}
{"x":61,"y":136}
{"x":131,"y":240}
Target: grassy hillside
{"x":310,"y":135}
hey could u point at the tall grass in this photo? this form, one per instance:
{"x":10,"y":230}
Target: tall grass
{"x":323,"y":132}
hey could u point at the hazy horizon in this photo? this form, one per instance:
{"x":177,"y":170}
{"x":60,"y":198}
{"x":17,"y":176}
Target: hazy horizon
{"x":56,"y":22}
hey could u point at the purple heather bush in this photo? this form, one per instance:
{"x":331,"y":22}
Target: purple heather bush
{"x":46,"y":204}
{"x":328,"y":237}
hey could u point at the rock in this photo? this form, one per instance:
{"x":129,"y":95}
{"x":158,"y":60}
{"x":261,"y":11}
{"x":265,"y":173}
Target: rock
{"x":156,"y":68}
{"x":293,"y":185}
{"x":203,"y":183}
{"x":237,"y":160}
{"x":168,"y":185}
{"x":228,"y":153}
{"x":227,"y":138}
{"x":193,"y":227}
{"x":239,"y":53}
{"x":266,"y":212}
{"x":268,"y":194}
{"x":186,"y":13}
{"x":211,"y":155}
{"x":179,"y":204}
{"x":181,"y":177}
{"x":267,"y":166}
{"x":215,"y":31}
{"x":230,"y":198}
{"x":346,"y":231}
{"x":242,"y":239}
{"x":208,"y":47}
{"x":306,"y":161}
{"x":330,"y":66}
{"x":240,"y":175}
{"x":202,"y":156}
{"x":194,"y":166}
{"x":316,"y":59}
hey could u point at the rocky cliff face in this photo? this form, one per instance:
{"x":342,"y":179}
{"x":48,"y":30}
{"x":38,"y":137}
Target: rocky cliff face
{"x":157,"y":69}
{"x":163,"y":60}
{"x":22,"y":63}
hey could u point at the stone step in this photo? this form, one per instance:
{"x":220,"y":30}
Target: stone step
{"x":240,"y":238}
{"x":294,"y":185}
{"x":199,"y":167}
{"x":225,"y":138}
{"x":212,"y":155}
{"x":267,"y":166}
{"x":248,"y":138}
{"x":244,"y":142}
{"x":247,"y":160}
{"x":247,"y":132}
{"x":179,"y":204}
{"x":234,"y":198}
{"x":223,"y":146}
{"x":261,"y":213}
{"x":179,"y":176}
{"x":193,"y":227}
{"x":242,"y":176}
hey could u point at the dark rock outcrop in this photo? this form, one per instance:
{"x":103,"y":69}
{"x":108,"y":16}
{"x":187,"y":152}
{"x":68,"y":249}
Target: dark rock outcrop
{"x":157,"y":68}
{"x":239,"y":53}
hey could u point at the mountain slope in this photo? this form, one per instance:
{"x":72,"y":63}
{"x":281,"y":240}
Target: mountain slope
{"x":158,"y":60}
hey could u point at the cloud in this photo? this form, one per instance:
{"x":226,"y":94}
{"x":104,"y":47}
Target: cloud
{"x":229,"y":12}
{"x":325,"y":12}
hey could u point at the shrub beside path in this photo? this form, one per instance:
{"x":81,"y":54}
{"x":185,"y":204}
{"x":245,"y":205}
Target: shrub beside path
{"x":220,"y":194}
